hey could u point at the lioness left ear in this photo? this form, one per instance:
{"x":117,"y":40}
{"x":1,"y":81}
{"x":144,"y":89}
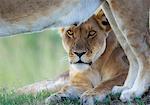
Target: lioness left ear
{"x":102,"y":21}
{"x":106,"y":25}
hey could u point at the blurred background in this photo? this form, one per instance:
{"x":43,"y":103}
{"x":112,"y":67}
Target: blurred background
{"x":25,"y":59}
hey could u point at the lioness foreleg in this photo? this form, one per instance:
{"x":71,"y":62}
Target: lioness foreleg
{"x":102,"y":90}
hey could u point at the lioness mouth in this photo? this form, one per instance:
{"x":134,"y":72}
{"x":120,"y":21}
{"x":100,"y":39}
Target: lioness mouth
{"x":81,"y":62}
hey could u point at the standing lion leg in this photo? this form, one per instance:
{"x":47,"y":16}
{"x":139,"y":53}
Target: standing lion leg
{"x":142,"y":81}
{"x":131,"y":57}
{"x":132,"y":21}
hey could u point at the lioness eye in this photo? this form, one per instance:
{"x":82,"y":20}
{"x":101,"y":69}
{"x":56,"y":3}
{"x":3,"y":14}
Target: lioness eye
{"x":70,"y":33}
{"x":92,"y":34}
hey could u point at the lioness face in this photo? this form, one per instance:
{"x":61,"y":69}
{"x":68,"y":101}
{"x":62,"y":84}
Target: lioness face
{"x":85,"y":43}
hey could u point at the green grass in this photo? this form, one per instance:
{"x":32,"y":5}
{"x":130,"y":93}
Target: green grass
{"x":12,"y":98}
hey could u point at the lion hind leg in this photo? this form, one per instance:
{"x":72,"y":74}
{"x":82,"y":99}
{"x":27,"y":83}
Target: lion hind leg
{"x":132,"y":74}
{"x":141,"y":83}
{"x":141,"y":49}
{"x":46,"y":85}
{"x":123,"y":42}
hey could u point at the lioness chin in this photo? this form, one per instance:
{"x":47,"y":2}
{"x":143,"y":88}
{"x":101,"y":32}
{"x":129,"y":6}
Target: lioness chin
{"x":97,"y":62}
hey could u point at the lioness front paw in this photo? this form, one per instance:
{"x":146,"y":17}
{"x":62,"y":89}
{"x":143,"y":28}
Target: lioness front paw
{"x":91,"y":96}
{"x":55,"y":99}
{"x":87,"y":100}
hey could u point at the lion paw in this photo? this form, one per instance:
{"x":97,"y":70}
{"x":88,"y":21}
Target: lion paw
{"x":87,"y":100}
{"x":129,"y":95}
{"x":119,"y":89}
{"x":89,"y":97}
{"x":55,"y":99}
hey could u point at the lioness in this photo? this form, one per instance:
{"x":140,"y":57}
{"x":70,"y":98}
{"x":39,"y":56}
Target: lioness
{"x":97,"y":62}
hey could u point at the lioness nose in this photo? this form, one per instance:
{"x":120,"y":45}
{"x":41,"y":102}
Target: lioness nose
{"x":79,"y":54}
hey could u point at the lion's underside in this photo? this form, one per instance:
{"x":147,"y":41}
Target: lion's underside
{"x":21,"y":16}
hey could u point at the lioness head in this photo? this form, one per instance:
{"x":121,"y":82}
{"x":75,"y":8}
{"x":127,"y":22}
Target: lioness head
{"x":85,"y":43}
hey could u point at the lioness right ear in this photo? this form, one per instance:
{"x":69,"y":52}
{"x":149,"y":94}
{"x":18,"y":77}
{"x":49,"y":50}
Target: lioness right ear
{"x":102,"y":21}
{"x":61,"y":31}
